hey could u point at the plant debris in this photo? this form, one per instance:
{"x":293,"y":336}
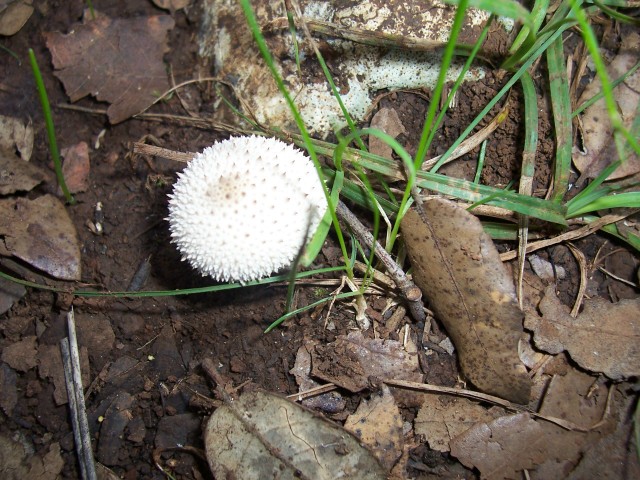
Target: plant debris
{"x":261,"y":435}
{"x":458,"y":268}
{"x":41,"y":233}
{"x":604,"y":337}
{"x":115,"y":60}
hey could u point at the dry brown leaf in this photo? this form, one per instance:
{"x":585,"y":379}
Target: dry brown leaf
{"x":458,"y":268}
{"x":17,"y":460}
{"x":261,"y":435}
{"x":16,"y":175}
{"x":16,"y":136}
{"x":378,"y":423}
{"x":41,"y":233}
{"x":117,"y":61}
{"x":597,"y":129}
{"x":502,"y":448}
{"x":387,"y":120}
{"x":21,"y":355}
{"x":351,"y":360}
{"x":331,"y":402}
{"x":13,"y":15}
{"x":603,"y":338}
{"x":442,"y":417}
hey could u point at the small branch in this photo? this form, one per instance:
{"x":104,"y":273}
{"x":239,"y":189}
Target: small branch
{"x":408,"y":289}
{"x":75,"y":394}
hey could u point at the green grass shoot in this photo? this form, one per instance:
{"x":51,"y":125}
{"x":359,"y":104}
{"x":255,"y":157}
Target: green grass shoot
{"x":51,"y":133}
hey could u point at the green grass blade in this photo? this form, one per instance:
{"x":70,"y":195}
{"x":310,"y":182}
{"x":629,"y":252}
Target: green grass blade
{"x":51,"y":133}
{"x":504,"y":8}
{"x":538,"y":14}
{"x":621,"y":200}
{"x":454,"y":89}
{"x":317,"y":241}
{"x":561,"y":107}
{"x":308,"y":144}
{"x":447,"y":56}
{"x":514,"y":78}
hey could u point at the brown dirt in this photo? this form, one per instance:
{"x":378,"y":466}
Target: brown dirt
{"x":153,"y":370}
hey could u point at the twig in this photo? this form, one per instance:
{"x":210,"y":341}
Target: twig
{"x":408,"y":289}
{"x":73,"y":378}
{"x":588,"y":229}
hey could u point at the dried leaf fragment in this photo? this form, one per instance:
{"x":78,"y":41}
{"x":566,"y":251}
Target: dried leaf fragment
{"x":378,"y":423}
{"x":117,"y":61}
{"x":17,"y":175}
{"x":262,"y":435}
{"x":351,"y":360}
{"x":603,"y":338}
{"x":41,"y":233}
{"x":13,"y":15}
{"x":458,"y":268}
{"x":442,"y":418}
{"x":597,"y":128}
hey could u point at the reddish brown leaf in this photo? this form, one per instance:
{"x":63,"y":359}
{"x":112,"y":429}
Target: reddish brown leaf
{"x":117,"y":61}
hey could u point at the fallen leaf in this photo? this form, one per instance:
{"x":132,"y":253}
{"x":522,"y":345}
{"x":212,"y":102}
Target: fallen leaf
{"x":76,"y":167}
{"x":13,"y":15}
{"x":21,"y":355}
{"x":597,"y":129}
{"x":351,"y":360}
{"x":117,"y":61}
{"x":442,"y":418}
{"x":261,"y":435}
{"x":41,"y":233}
{"x":458,"y":269}
{"x":331,"y":402}
{"x":50,"y":366}
{"x":17,"y":175}
{"x":17,"y":460}
{"x":378,"y":423}
{"x":503,"y":447}
{"x":387,"y":120}
{"x":16,"y":136}
{"x":603,"y":338}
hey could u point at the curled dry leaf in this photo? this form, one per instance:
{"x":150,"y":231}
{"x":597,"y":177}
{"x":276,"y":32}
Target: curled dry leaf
{"x":351,"y":360}
{"x":603,"y":338}
{"x":41,"y":233}
{"x":262,"y":435}
{"x":117,"y":61}
{"x":378,"y":423}
{"x":458,"y":268}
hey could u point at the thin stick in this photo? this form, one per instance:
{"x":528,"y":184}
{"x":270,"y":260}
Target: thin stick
{"x":408,"y":289}
{"x":74,"y":389}
{"x":73,"y":405}
{"x":570,"y":235}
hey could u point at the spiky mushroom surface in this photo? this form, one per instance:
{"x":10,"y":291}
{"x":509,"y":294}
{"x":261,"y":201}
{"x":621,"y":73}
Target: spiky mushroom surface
{"x":244,"y":207}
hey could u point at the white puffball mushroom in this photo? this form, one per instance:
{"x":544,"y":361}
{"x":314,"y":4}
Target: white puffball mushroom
{"x":244,"y":208}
